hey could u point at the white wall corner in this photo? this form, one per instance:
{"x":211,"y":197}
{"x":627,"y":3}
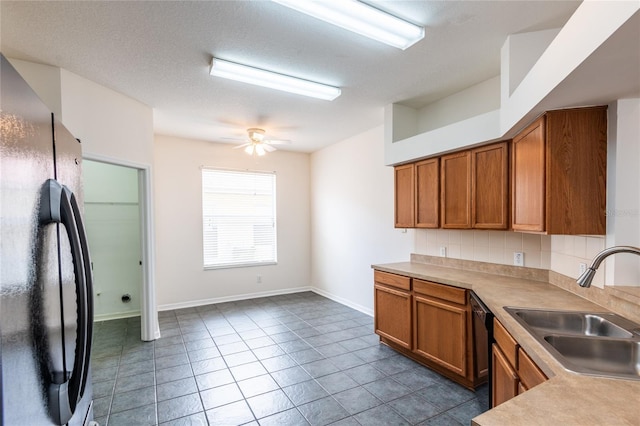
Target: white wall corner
{"x":519,"y":54}
{"x":623,"y":193}
{"x":44,"y":80}
{"x":592,"y":24}
{"x":505,"y":89}
{"x":404,"y":122}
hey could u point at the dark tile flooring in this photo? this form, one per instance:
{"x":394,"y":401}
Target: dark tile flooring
{"x":294,"y":359}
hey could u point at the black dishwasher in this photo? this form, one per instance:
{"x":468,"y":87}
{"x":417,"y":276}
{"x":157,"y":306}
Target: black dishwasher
{"x":482,"y":339}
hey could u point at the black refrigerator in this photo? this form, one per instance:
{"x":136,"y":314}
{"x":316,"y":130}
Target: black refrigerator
{"x":46,"y":297}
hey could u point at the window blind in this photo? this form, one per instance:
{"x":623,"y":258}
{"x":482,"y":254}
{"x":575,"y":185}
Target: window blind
{"x":239,"y":218}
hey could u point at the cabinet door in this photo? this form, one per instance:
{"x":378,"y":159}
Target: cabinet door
{"x":576,"y":184}
{"x":504,"y":379}
{"x":528,"y":178}
{"x":392,"y":314}
{"x":456,"y":190}
{"x":440,"y":333}
{"x":404,"y":196}
{"x":529,"y":373}
{"x":489,"y":187}
{"x":428,"y":193}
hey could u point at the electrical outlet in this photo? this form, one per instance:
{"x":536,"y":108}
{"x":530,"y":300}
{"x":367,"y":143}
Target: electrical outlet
{"x":518,"y":258}
{"x":259,"y":279}
{"x":582,"y":267}
{"x":443,"y":251}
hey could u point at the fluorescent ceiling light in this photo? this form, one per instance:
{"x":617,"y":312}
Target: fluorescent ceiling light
{"x":362,"y":19}
{"x":259,"y":77}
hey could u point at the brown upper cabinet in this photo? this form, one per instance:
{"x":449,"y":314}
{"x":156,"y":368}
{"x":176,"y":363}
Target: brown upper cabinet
{"x":428,"y":193}
{"x":490,"y":186}
{"x":551,"y":179}
{"x":558,"y":173}
{"x":404,"y":185}
{"x":475,"y":188}
{"x":455,"y":176}
{"x":462,"y":190}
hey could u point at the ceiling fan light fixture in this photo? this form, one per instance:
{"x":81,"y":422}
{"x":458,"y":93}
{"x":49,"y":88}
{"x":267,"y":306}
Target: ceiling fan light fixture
{"x":272,"y":80}
{"x":256,"y":134}
{"x":362,"y":19}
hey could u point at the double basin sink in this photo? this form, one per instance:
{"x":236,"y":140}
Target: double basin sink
{"x":599,"y":344}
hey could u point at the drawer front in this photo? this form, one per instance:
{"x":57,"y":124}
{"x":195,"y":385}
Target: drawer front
{"x":507,"y":344}
{"x":529,"y":373}
{"x":393,"y":280}
{"x":440,"y":291}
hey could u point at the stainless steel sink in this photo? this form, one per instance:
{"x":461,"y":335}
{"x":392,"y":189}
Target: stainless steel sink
{"x":600,"y":344}
{"x":569,"y":322}
{"x":614,"y":357}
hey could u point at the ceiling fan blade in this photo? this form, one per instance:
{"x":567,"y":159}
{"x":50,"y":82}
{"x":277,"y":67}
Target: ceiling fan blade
{"x":278,"y":141}
{"x":242,"y":146}
{"x":268,"y":148}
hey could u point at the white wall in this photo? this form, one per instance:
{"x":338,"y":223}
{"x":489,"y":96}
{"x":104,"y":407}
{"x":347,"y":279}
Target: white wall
{"x":470,"y":102}
{"x":110,"y":125}
{"x":352,"y":219}
{"x":181,"y":279}
{"x":623,"y":191}
{"x":44,"y":80}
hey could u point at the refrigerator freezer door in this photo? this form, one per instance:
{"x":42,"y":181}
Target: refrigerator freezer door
{"x":38,"y":318}
{"x":26,"y":162}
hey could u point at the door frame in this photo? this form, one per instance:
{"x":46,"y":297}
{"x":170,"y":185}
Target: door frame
{"x":149,"y":329}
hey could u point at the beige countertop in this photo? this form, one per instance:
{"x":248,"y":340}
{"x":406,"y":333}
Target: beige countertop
{"x":566,"y":398}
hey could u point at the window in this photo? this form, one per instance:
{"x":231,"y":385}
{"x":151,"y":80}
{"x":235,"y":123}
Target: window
{"x":239,"y":218}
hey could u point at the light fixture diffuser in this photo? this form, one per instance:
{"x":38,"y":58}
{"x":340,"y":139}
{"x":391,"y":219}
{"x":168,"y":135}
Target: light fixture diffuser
{"x":264,"y":78}
{"x":361,"y":18}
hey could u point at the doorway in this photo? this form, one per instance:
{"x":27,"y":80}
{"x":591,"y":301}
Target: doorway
{"x":117,"y":200}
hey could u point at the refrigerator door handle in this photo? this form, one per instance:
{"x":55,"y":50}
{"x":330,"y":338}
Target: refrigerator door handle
{"x":88,"y":267}
{"x":58,"y":205}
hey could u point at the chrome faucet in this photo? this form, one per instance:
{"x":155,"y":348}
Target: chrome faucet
{"x":587,"y":276}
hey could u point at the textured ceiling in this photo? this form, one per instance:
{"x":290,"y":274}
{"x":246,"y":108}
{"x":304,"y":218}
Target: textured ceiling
{"x":158,"y":52}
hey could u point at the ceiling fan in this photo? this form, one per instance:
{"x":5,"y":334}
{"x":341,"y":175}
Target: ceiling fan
{"x":258,"y":144}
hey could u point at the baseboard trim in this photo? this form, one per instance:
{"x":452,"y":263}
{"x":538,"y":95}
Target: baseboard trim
{"x":114,"y":316}
{"x":343,"y":301}
{"x":235,"y":298}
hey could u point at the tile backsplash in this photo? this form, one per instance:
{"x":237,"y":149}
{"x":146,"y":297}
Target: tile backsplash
{"x":559,"y":253}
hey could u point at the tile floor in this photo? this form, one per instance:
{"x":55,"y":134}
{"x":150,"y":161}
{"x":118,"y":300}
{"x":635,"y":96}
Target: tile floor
{"x":294,"y":359}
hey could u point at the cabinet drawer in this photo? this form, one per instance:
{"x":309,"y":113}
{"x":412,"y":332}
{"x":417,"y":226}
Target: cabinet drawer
{"x":440,"y":291}
{"x":393,"y":280}
{"x":529,"y":373}
{"x":508,"y":345}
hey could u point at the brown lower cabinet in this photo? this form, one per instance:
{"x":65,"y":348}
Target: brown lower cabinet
{"x":514,"y":372}
{"x":391,"y":294}
{"x":429,"y":323}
